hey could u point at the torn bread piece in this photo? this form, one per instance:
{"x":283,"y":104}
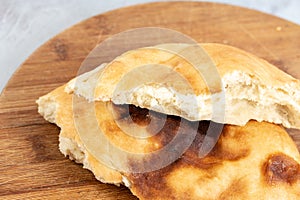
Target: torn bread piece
{"x":255,"y":161}
{"x":57,"y":107}
{"x":254,"y":89}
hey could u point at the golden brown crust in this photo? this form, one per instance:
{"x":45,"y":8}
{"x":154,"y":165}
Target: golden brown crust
{"x":226,"y":58}
{"x":163,"y":79}
{"x":241,"y":165}
{"x":64,"y":119}
{"x":280,"y":168}
{"x":235,"y":169}
{"x":229,"y":59}
{"x":122,"y":65}
{"x":258,"y":160}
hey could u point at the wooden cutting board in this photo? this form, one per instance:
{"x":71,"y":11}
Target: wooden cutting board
{"x":31,"y":165}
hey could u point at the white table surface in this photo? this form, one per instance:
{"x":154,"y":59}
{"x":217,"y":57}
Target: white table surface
{"x":26,"y":25}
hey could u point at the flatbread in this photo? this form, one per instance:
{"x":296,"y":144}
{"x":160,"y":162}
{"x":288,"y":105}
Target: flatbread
{"x":57,"y":107}
{"x":255,"y":161}
{"x":164,"y":79}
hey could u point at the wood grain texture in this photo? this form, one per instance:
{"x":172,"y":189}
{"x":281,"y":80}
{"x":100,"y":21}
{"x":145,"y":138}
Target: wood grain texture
{"x":31,"y":166}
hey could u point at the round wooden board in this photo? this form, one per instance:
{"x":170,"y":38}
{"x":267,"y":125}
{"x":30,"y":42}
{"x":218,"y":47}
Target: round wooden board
{"x":31,"y":165}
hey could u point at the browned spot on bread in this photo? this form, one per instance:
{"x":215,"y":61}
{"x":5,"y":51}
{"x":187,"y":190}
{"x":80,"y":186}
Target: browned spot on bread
{"x":172,"y":127}
{"x":140,"y":116}
{"x":281,"y":168}
{"x":120,"y":111}
{"x":162,"y":127}
{"x":221,"y":151}
{"x":150,"y":184}
{"x":176,"y":133}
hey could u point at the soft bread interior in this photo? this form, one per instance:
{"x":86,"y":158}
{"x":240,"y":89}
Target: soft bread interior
{"x":253,"y":88}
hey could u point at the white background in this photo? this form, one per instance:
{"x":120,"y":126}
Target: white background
{"x":27,"y":24}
